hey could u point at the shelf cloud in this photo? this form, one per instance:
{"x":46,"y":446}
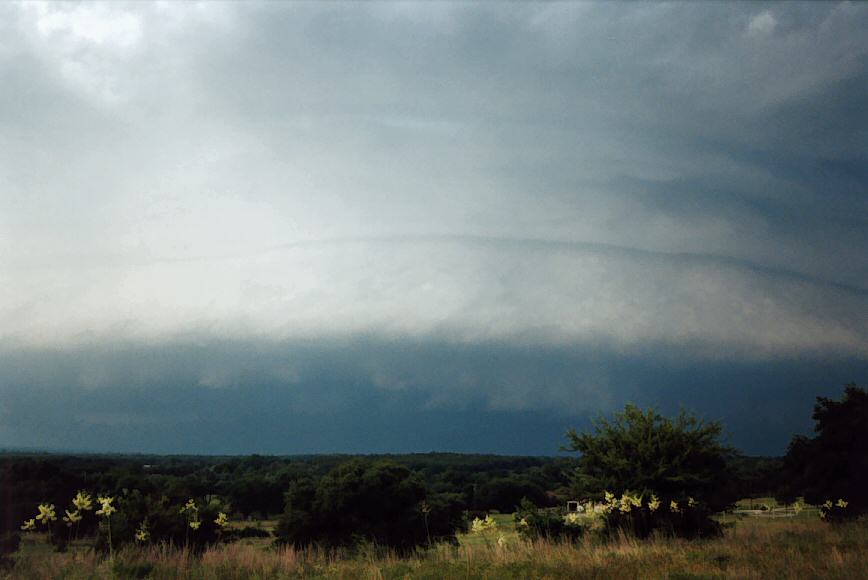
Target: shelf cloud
{"x":496,"y":209}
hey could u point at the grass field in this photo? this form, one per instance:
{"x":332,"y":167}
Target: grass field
{"x":797,"y":548}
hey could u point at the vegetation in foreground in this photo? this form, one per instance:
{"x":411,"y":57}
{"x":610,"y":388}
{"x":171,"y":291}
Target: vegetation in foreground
{"x":380,"y":519}
{"x":753,"y":548}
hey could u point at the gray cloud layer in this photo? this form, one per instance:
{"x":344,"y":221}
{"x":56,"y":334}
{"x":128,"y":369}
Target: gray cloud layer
{"x":682,"y":179}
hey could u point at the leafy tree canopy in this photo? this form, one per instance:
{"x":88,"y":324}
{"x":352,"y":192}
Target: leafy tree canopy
{"x":382,"y":502}
{"x":834,"y":464}
{"x":644,"y":452}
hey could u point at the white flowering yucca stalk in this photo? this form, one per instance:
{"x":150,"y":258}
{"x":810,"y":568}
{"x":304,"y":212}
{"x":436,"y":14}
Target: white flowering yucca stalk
{"x":106,"y":510}
{"x":72,"y":517}
{"x":628,"y":502}
{"x":82,"y":501}
{"x":828,"y":505}
{"x":798,"y":506}
{"x":190,"y":506}
{"x":478,"y":526}
{"x":625,"y":505}
{"x":673,"y":506}
{"x":612,"y":502}
{"x":29,"y":525}
{"x":143,"y":534}
{"x":826,"y":508}
{"x":46,"y":515}
{"x":221,"y":522}
{"x":654,"y":504}
{"x":191,"y":514}
{"x":482,"y":527}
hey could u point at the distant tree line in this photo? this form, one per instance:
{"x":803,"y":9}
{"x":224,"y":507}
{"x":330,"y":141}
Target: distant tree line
{"x":650,"y":472}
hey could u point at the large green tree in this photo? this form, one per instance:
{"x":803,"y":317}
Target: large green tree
{"x":359,"y":501}
{"x":644,"y":452}
{"x":834,"y":464}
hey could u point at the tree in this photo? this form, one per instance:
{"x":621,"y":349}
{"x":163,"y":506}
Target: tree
{"x":644,"y":452}
{"x":834,"y":464}
{"x":383,"y":503}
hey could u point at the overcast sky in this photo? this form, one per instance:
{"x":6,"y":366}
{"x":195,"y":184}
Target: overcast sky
{"x":362,"y":227}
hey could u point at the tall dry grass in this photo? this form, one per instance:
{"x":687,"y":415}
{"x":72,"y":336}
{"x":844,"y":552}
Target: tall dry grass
{"x":751,"y":549}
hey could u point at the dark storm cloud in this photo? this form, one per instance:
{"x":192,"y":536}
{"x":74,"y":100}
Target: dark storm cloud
{"x":365,"y":395}
{"x":613,"y":190}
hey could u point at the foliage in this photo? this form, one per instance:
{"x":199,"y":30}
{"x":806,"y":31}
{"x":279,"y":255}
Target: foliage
{"x":536,"y":524}
{"x":760,"y":548}
{"x":834,"y":464}
{"x":647,"y":453}
{"x":641,"y":516}
{"x":504,"y":493}
{"x":361,"y":501}
{"x":164,"y":522}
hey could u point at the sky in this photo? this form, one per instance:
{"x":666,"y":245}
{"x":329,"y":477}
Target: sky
{"x":399,"y":227}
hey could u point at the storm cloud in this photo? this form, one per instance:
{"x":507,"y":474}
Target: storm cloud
{"x":470,"y":217}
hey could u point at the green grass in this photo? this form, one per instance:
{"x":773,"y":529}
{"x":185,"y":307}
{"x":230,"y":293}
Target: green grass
{"x":505,"y":527}
{"x":751,"y":548}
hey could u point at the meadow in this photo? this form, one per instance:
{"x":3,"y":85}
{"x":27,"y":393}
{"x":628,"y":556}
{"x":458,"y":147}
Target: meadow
{"x":752,"y":547}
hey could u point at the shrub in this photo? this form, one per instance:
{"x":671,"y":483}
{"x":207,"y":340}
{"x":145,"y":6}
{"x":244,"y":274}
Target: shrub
{"x":358,"y":502}
{"x":535,"y":523}
{"x":640,"y":517}
{"x":833,"y":465}
{"x":647,"y":453}
{"x":165,"y":523}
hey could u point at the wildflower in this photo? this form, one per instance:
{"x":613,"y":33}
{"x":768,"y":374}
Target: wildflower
{"x":654,"y":504}
{"x":71,"y":517}
{"x":190,"y":507}
{"x":626,"y":504}
{"x":673,"y":506}
{"x":841,"y":503}
{"x":611,"y":502}
{"x":142,"y":532}
{"x":798,"y":506}
{"x":194,"y":524}
{"x":29,"y":525}
{"x":82,"y":501}
{"x":478,"y":526}
{"x":107,"y":508}
{"x":221,"y":520}
{"x":691,"y":502}
{"x":573,"y":519}
{"x":46,"y":514}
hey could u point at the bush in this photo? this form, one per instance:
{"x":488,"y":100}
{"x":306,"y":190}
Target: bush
{"x":358,"y":502}
{"x":833,"y":465}
{"x":640,"y":517}
{"x":535,"y":523}
{"x":165,"y":523}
